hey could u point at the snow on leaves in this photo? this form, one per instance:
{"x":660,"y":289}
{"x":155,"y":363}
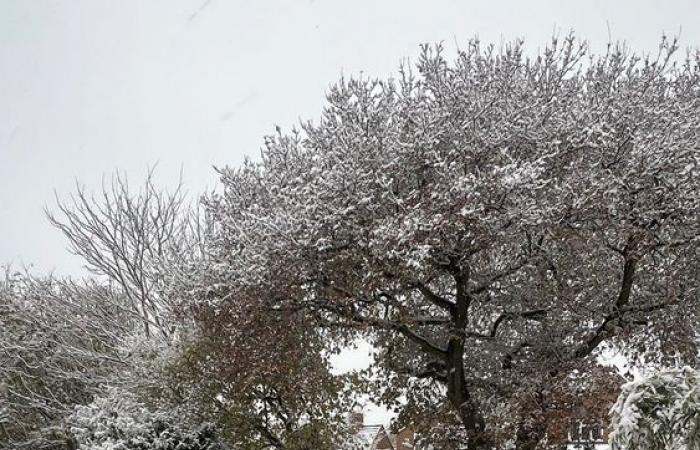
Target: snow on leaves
{"x":658,"y":412}
{"x":500,"y":216}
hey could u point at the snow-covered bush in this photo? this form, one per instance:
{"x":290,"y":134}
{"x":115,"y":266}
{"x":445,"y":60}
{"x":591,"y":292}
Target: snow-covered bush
{"x":60,"y":341}
{"x":659,"y":412}
{"x":118,"y":421}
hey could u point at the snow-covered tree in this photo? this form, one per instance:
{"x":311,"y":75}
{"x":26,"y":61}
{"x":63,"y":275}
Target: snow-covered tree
{"x":60,"y":341}
{"x":489,"y":223}
{"x":658,"y":412}
{"x":63,"y":344}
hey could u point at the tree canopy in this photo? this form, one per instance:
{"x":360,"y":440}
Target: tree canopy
{"x":489,"y":222}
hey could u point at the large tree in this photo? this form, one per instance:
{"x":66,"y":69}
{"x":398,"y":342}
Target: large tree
{"x":490,"y":222}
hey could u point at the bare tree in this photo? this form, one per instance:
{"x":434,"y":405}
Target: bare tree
{"x":128,"y":237}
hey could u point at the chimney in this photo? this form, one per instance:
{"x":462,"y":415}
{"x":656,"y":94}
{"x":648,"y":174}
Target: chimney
{"x":356,"y":420}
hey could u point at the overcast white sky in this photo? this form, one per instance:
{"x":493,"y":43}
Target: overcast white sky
{"x":89,"y":87}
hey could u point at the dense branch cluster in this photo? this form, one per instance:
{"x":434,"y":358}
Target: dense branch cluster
{"x":129,"y":237}
{"x":258,"y":379}
{"x":59,"y":343}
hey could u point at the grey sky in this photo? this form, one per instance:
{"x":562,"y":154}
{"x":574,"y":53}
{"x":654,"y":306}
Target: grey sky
{"x":88,"y":87}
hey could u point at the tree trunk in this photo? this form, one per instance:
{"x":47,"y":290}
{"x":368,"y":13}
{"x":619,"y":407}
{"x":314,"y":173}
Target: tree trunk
{"x":461,"y":400}
{"x":457,"y":392}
